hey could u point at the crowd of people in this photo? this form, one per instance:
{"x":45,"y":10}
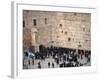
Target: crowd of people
{"x":63,"y":57}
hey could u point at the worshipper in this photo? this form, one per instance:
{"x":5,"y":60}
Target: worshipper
{"x":52,"y":64}
{"x":64,"y":64}
{"x":64,"y":57}
{"x":57,"y":61}
{"x":29,"y":62}
{"x":48,"y":64}
{"x":26,"y":54}
{"x":88,"y":59}
{"x":56,"y":58}
{"x":33,"y":61}
{"x":39,"y":65}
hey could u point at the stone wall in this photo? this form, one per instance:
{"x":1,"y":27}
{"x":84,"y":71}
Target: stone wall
{"x":61,"y":29}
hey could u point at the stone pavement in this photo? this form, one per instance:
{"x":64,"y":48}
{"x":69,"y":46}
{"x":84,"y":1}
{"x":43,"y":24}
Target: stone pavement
{"x":44,"y":63}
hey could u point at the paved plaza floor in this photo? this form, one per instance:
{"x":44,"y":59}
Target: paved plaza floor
{"x":44,"y":63}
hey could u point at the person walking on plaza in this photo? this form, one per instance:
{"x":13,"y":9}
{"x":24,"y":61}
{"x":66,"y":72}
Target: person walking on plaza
{"x":39,"y":65}
{"x":52,"y":64}
{"x":49,"y":64}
